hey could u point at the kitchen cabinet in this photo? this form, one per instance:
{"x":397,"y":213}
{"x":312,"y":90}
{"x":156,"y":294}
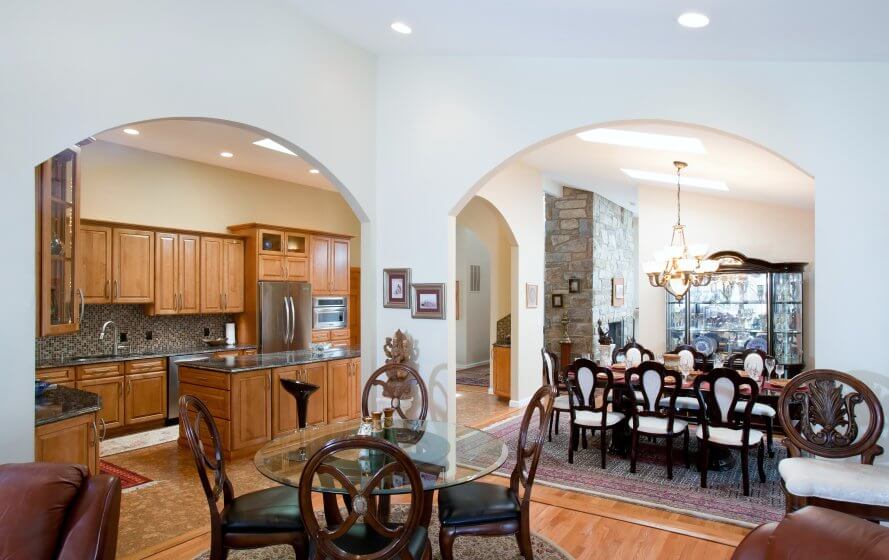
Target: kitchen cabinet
{"x":321,"y":264}
{"x":146,"y":397}
{"x":502,"y":371}
{"x":284,"y":418}
{"x":95,"y":263}
{"x":233,"y":276}
{"x":132,"y":266}
{"x":297,"y":269}
{"x":111,"y":393}
{"x":271,"y":267}
{"x":329,"y":265}
{"x":60,"y":296}
{"x":56,"y":375}
{"x":73,"y":440}
{"x":177,"y":282}
{"x":355,"y":306}
{"x":222,"y":275}
{"x":343,"y":390}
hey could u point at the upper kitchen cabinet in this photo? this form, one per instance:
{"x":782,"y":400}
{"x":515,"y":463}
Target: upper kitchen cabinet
{"x":222,"y":275}
{"x":330,"y":265}
{"x":233,"y":276}
{"x":95,"y":263}
{"x":280,"y":255}
{"x":133,"y":266}
{"x":60,"y":295}
{"x":177,"y":282}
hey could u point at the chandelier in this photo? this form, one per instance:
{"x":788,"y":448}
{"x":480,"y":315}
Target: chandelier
{"x":680,"y":266}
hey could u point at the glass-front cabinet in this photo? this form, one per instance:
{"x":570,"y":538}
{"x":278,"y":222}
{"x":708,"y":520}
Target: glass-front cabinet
{"x":58,"y":198}
{"x":749,"y":303}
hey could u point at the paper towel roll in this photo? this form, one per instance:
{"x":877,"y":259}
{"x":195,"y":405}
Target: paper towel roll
{"x":230,"y":334}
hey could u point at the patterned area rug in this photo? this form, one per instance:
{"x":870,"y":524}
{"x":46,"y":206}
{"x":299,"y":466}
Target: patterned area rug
{"x":722,"y":500}
{"x":475,"y":548}
{"x":139,"y":440}
{"x":478,"y":376}
{"x":128,"y":478}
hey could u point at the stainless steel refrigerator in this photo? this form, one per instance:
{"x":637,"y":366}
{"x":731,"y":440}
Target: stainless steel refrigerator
{"x":284,"y":316}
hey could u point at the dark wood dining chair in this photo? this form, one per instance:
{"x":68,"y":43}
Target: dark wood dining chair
{"x":552,"y":377}
{"x":830,"y":405}
{"x":649,"y":417}
{"x":585,"y":413}
{"x":258,"y":519}
{"x":483,"y":509}
{"x":633,"y":353}
{"x":756,"y":359}
{"x":375,"y":538}
{"x":396,"y":383}
{"x":721,"y":425}
{"x":697,"y":357}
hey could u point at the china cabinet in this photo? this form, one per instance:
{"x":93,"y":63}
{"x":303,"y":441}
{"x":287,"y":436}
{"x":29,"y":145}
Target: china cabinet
{"x":749,"y":303}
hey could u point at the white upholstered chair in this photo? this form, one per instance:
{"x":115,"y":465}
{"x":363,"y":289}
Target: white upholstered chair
{"x":586,"y":414}
{"x":752,"y":360}
{"x":551,"y":378}
{"x":633,"y":353}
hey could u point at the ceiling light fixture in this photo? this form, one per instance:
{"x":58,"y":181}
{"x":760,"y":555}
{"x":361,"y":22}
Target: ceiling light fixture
{"x":648,"y":140}
{"x":314,"y":171}
{"x":227,"y":154}
{"x":401,"y":27}
{"x":131,"y":131}
{"x":711,"y":184}
{"x":693,"y":20}
{"x":272,"y":145}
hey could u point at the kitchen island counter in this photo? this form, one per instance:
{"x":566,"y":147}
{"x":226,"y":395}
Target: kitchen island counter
{"x":243,"y":364}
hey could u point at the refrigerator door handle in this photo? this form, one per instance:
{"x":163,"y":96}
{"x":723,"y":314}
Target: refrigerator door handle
{"x":292,"y":319}
{"x":286,"y":322}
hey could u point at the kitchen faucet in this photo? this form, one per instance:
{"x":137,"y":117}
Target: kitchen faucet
{"x":116,"y":335}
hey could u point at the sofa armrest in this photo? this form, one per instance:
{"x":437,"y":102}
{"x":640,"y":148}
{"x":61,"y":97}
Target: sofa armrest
{"x":754,"y":545}
{"x":825,"y":534}
{"x":90,"y":531}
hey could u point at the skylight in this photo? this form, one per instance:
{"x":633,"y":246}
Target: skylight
{"x":648,"y":140}
{"x":272,"y":145}
{"x":671,"y":179}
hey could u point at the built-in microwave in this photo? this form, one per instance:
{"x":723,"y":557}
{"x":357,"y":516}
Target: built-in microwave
{"x":329,"y":312}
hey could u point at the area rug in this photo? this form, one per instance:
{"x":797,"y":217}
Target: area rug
{"x":478,"y":376}
{"x":128,"y":478}
{"x":140,"y":440}
{"x":723,"y":499}
{"x":474,"y":548}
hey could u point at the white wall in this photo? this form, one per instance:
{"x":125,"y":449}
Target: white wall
{"x":474,"y":324}
{"x":123,"y":184}
{"x":71,"y":70}
{"x":762,"y":231}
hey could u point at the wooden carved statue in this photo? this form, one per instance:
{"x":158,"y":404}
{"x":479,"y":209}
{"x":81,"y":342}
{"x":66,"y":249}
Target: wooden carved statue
{"x":397,"y":348}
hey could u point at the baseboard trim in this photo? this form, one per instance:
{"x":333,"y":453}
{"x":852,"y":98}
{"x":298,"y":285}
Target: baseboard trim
{"x":519,"y":403}
{"x":475,"y":364}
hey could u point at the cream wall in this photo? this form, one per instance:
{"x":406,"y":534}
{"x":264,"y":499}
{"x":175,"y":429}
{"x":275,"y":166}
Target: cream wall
{"x":763,"y":231}
{"x":124,"y":184}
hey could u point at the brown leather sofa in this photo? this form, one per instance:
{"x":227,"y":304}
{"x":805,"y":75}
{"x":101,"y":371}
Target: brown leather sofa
{"x":57,"y":512}
{"x":817,"y":534}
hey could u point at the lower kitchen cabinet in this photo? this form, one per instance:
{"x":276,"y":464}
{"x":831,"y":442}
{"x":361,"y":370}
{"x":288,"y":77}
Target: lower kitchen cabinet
{"x":146,"y":397}
{"x":132,"y":392}
{"x":111,"y":393}
{"x":251,"y":413}
{"x":74,"y":440}
{"x":343,"y":387}
{"x":502,"y":371}
{"x":284,"y":418}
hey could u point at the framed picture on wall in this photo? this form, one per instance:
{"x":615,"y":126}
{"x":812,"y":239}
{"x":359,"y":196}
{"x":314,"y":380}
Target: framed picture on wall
{"x":558,"y":300}
{"x":532,"y":295}
{"x":428,"y":301}
{"x":617,"y":292}
{"x":573,"y":285}
{"x":396,"y":284}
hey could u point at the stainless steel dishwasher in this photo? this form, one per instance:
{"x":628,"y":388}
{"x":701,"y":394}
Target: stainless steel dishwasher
{"x":173,"y":382}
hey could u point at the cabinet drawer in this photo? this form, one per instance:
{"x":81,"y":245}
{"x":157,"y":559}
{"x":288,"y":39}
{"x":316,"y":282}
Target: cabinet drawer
{"x":248,"y":352}
{"x":217,"y":400}
{"x":339,"y":343}
{"x":98,"y":371}
{"x":320,"y":336}
{"x":227,"y":354}
{"x":205,"y":378}
{"x":339,"y":334}
{"x":144,"y":366}
{"x":56,"y":375}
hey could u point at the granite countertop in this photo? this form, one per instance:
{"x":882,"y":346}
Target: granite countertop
{"x":503,"y":344}
{"x":164,"y":353}
{"x":62,"y":403}
{"x":241,"y":364}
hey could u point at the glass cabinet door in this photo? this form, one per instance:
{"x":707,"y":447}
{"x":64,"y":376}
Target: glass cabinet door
{"x":730,"y":314}
{"x":676,"y":323}
{"x":787,"y":314}
{"x":297,"y":244}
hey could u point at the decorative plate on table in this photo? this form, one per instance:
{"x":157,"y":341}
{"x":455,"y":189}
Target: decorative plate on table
{"x":757,"y":343}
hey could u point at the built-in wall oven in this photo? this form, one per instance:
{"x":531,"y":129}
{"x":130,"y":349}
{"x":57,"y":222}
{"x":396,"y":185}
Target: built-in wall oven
{"x":330,"y":312}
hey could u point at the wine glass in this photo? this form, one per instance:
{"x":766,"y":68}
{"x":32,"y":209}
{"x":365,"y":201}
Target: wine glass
{"x":780,"y":372}
{"x":717,"y":361}
{"x":770,"y":367}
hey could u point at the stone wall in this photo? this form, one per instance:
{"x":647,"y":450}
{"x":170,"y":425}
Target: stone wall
{"x":592,"y":239}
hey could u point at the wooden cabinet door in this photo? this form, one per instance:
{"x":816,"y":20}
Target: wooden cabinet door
{"x":283,"y":403}
{"x":189,"y":273}
{"x":355,"y":388}
{"x":251,"y":421}
{"x":133,"y":266}
{"x":502,"y":371}
{"x":166,"y":279}
{"x":146,"y":397}
{"x":110,"y":390}
{"x":320,"y":265}
{"x":316,"y":374}
{"x":270,"y":267}
{"x":74,"y":440}
{"x":339,"y":267}
{"x":95,"y":263}
{"x":211,"y":274}
{"x":355,"y":306}
{"x":297,"y":269}
{"x":339,"y":385}
{"x":233,"y":276}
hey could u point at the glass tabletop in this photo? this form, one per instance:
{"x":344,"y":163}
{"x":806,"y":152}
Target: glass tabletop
{"x":445,"y":454}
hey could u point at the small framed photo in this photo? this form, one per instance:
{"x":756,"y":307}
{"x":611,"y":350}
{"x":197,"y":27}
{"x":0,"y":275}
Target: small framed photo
{"x":396,"y":283}
{"x":573,"y":285}
{"x":558,"y":300}
{"x":617,"y":292}
{"x":428,"y":301}
{"x":532,"y":295}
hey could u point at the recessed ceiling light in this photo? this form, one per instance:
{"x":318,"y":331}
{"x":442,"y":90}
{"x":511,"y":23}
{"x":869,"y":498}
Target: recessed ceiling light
{"x":647,"y":140}
{"x":272,"y":145}
{"x":131,"y":131}
{"x":401,"y":27}
{"x":671,"y":179}
{"x":693,"y":20}
{"x":314,"y":171}
{"x":227,"y":154}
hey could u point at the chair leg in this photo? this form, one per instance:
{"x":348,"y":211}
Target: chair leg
{"x":301,"y":547}
{"x":446,"y":538}
{"x":669,"y":458}
{"x":217,"y":550}
{"x":702,"y":463}
{"x":583,"y":436}
{"x":745,"y":471}
{"x":634,"y":442}
{"x":551,"y":425}
{"x":572,"y":442}
{"x":558,"y":419}
{"x":603,"y":445}
{"x":759,"y":463}
{"x":769,"y":429}
{"x":523,"y":538}
{"x":685,"y":446}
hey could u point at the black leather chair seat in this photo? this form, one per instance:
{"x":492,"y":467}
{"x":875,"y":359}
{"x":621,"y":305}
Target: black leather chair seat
{"x":476,"y":503}
{"x":361,"y":539}
{"x":273,"y":510}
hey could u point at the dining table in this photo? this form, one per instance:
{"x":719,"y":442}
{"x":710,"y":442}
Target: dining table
{"x":446,"y":454}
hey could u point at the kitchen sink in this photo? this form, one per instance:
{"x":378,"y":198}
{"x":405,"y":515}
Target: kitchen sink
{"x":90,"y":358}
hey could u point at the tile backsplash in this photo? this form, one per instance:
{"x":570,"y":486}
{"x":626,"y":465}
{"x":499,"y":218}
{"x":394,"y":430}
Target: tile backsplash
{"x":167,"y":332}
